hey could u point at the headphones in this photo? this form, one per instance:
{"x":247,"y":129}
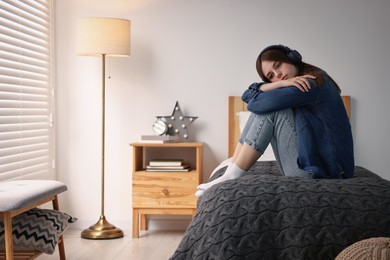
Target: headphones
{"x":293,"y":55}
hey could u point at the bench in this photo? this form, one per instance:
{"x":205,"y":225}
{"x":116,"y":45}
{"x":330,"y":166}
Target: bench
{"x":19,"y":196}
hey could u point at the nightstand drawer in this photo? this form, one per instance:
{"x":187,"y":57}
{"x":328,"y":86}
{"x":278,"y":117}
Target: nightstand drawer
{"x":165,"y":189}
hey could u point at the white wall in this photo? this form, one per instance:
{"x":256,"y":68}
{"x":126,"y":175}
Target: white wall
{"x":199,"y":52}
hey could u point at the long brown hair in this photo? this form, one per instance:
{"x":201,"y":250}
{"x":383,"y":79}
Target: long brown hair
{"x":303,"y":67}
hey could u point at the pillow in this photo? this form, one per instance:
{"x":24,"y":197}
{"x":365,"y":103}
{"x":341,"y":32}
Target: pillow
{"x":268,"y":154}
{"x":37,"y":229}
{"x":377,"y":248}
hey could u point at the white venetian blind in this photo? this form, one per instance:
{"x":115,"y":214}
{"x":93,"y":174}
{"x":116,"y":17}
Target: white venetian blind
{"x":26,"y":134}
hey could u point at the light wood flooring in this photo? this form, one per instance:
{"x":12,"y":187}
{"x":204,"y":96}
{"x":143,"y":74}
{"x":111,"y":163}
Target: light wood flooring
{"x":153,"y":245}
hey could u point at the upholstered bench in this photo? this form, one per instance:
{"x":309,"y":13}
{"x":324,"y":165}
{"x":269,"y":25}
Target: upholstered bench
{"x":20,"y":196}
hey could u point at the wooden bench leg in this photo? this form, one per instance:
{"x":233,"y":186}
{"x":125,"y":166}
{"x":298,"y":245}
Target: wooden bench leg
{"x":9,"y":250}
{"x":55,"y":203}
{"x":61,"y":245}
{"x":61,"y":248}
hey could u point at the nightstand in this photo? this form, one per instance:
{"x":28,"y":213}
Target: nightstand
{"x":164,"y":192}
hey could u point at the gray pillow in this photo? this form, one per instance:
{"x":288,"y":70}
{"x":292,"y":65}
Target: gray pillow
{"x":37,"y":229}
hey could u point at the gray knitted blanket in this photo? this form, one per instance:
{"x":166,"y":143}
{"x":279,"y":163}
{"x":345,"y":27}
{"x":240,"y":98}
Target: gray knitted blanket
{"x":267,"y":216}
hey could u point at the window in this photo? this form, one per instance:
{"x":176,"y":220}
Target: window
{"x":26,"y":89}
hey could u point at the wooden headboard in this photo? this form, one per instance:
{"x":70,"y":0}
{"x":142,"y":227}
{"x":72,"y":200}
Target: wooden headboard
{"x":237,"y":105}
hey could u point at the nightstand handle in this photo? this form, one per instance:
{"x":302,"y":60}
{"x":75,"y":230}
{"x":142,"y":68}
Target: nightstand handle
{"x":166,"y":192}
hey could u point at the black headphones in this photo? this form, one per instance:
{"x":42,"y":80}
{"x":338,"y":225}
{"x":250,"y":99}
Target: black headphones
{"x":293,"y":55}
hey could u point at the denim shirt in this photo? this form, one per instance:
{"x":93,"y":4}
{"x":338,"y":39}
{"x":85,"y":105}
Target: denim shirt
{"x":324,"y":136}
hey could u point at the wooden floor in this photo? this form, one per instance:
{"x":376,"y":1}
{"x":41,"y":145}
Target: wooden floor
{"x":153,"y":245}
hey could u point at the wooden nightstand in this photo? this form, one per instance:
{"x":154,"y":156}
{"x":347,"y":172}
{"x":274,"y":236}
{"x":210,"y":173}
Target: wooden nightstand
{"x":164,"y":192}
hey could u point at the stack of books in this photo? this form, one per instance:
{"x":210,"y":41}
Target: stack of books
{"x":162,"y":165}
{"x":159,"y":139}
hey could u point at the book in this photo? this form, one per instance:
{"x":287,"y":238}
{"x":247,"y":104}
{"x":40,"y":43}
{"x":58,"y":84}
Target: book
{"x":181,"y":167}
{"x":159,"y":138}
{"x":167,"y":170}
{"x":157,"y":141}
{"x":166,"y":162}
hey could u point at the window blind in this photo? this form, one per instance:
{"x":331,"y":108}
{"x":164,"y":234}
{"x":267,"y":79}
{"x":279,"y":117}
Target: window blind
{"x":26,"y":90}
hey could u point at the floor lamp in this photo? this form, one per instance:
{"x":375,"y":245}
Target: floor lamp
{"x":103,"y":37}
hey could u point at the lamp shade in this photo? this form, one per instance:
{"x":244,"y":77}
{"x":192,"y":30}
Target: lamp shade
{"x":98,"y":36}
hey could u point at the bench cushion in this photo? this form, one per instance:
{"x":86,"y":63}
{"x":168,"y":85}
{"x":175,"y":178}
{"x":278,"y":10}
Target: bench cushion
{"x":21,"y":193}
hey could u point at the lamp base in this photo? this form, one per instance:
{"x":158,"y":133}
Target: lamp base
{"x":102,"y":230}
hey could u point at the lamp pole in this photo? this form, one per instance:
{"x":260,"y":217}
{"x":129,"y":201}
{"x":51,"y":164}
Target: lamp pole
{"x":102,"y":229}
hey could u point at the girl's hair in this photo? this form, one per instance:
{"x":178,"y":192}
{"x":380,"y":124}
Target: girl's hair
{"x":303,"y":67}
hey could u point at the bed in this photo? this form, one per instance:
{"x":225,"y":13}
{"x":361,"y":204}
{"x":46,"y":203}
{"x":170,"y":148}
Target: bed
{"x":264,"y":215}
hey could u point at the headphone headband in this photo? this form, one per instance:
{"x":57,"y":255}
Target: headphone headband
{"x":293,"y":55}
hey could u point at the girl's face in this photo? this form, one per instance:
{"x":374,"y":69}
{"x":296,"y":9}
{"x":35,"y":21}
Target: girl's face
{"x":277,"y":70}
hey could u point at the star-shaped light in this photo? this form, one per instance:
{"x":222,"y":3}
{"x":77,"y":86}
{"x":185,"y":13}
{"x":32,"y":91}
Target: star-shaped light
{"x":178,"y":123}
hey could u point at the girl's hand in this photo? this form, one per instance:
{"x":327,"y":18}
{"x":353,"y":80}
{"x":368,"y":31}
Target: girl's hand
{"x":299,"y":82}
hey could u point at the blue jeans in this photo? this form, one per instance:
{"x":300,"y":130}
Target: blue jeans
{"x":277,"y":128}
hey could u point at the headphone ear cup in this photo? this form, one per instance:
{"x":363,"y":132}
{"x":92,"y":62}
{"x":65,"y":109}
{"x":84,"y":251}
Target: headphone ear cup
{"x":294,"y":56}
